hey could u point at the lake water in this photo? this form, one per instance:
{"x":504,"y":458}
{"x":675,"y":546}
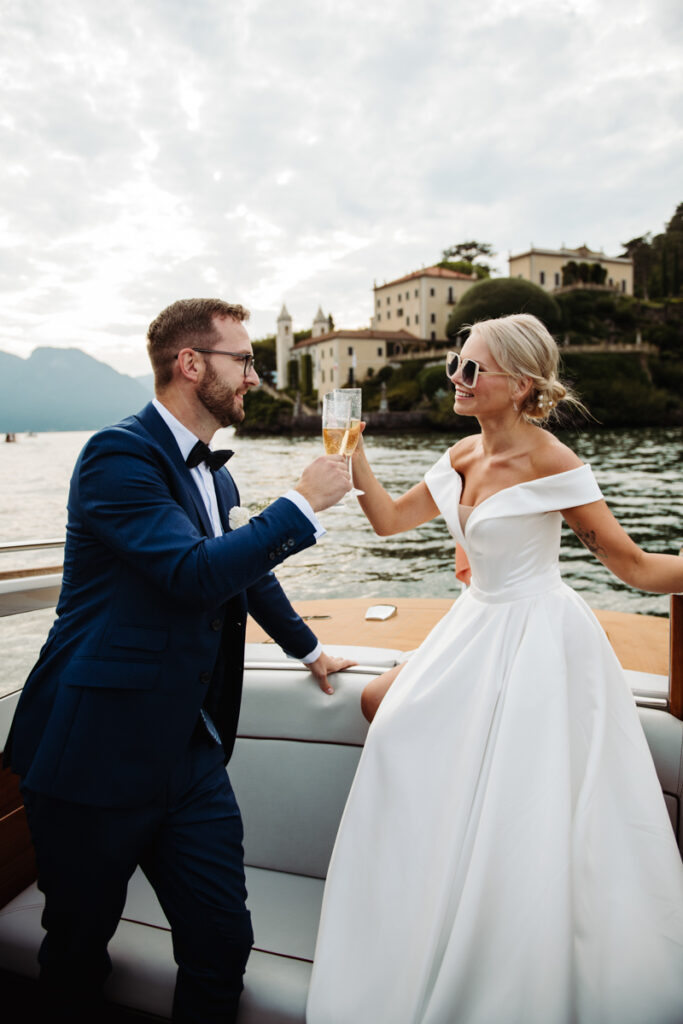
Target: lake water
{"x":639,"y":472}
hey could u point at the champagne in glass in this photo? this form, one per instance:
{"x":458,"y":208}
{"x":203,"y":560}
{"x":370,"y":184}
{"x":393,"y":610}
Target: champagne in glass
{"x":336,"y":423}
{"x":355,"y":396}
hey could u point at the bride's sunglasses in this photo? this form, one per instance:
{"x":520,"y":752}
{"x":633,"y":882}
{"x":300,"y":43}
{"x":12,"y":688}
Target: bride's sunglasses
{"x":470,"y":369}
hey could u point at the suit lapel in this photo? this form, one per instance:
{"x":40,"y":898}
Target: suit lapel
{"x":152,"y":422}
{"x":226,"y":495}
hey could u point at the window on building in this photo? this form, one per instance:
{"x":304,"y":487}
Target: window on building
{"x":557,"y":280}
{"x":433,"y":335}
{"x":431,"y":292}
{"x":407,"y":321}
{"x":322,"y":376}
{"x":623,"y":286}
{"x":417,"y":318}
{"x":416,"y":293}
{"x":379,"y":317}
{"x":379,"y":352}
{"x":399,"y":296}
{"x":432,"y":318}
{"x":450,"y":293}
{"x":388,"y":315}
{"x":331,"y":352}
{"x":379,"y":303}
{"x":611,"y":282}
{"x":541,"y":277}
{"x":399,"y":312}
{"x":388,"y":299}
{"x":350,"y":350}
{"x":332,"y":376}
{"x":286,"y":328}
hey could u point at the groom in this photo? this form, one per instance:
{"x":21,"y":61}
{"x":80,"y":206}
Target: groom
{"x":126,"y":722}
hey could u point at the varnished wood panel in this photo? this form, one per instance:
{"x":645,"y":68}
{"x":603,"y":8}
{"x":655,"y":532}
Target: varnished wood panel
{"x":641,"y":642}
{"x":10,"y":797}
{"x":17,"y":859}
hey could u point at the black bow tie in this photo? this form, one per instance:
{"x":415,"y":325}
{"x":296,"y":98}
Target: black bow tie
{"x":202,"y":453}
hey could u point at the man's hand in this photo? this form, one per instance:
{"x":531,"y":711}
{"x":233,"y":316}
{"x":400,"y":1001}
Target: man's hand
{"x":324,"y":481}
{"x":325,"y":665}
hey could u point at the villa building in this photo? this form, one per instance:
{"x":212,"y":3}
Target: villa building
{"x":544,"y":267}
{"x":420,"y":302}
{"x":338,"y":357}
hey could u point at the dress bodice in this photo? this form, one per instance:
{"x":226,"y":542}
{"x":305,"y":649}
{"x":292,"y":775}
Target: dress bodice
{"x":512,"y":538}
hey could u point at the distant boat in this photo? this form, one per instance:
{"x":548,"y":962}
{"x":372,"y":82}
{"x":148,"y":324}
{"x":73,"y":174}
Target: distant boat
{"x":10,"y":437}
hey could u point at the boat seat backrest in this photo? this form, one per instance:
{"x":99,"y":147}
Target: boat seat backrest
{"x":294,"y":761}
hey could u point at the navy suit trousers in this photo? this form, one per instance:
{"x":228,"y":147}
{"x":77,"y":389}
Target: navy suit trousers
{"x":189,"y":844}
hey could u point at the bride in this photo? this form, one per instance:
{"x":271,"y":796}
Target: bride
{"x":505,"y":856}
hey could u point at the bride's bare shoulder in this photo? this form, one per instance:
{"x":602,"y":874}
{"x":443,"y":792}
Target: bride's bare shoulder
{"x":463,"y":450}
{"x":552,"y":456}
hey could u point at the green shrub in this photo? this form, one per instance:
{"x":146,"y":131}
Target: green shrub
{"x":306,"y":373}
{"x":442,"y":417}
{"x":264,"y":358}
{"x":403,"y":395}
{"x":627,"y":403}
{"x":601,"y":366}
{"x":667,"y":374}
{"x":430,"y":380}
{"x":668,"y":337}
{"x":501,"y":297}
{"x":263,"y":412}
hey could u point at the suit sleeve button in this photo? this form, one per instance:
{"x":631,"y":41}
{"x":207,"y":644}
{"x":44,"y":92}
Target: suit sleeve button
{"x":205,"y":677}
{"x":272,"y":556}
{"x":290,"y":543}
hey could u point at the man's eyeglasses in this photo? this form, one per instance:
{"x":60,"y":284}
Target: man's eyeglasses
{"x":470,"y":369}
{"x":246,"y":358}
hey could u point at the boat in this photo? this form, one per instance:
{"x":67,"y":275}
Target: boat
{"x":294,"y":760}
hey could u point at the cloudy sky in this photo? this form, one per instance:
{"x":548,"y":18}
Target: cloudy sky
{"x":295,"y":151}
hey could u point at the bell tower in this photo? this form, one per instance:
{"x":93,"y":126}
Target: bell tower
{"x":321,"y":324}
{"x":283,"y":343}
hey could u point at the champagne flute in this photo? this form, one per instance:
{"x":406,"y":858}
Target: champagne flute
{"x":356,"y":398}
{"x":336,"y":424}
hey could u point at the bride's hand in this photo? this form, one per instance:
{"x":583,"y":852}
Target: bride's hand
{"x":359,"y":447}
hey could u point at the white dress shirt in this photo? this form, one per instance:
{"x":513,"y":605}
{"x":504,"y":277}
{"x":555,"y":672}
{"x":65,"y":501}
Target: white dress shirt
{"x":203,"y":478}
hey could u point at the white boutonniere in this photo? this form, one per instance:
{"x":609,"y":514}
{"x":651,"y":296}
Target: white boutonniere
{"x":238,"y":516}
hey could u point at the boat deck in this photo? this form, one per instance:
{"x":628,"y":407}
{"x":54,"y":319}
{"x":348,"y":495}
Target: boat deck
{"x":641,"y":642}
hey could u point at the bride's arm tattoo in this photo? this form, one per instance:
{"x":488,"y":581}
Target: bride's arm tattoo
{"x":589,"y":540}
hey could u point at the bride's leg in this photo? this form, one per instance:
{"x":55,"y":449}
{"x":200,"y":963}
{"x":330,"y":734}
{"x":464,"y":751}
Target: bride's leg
{"x":374,"y":692}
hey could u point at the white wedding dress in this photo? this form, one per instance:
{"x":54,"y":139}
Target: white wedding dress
{"x":505,"y":856}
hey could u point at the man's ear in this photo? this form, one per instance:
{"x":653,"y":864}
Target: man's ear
{"x":188,"y":364}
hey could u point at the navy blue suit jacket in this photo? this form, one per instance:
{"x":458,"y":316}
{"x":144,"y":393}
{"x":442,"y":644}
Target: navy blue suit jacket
{"x":149,"y":600}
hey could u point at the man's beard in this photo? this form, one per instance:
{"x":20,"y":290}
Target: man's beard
{"x":219,"y":399}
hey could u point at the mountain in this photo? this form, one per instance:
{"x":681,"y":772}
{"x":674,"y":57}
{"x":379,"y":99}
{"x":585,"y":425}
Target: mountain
{"x":64,"y":389}
{"x":147,"y":381}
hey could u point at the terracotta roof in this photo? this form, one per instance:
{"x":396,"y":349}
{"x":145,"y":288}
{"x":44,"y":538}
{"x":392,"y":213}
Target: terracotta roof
{"x":359,"y":335}
{"x":429,"y":272}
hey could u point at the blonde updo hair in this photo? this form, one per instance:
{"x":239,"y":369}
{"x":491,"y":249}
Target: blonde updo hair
{"x":523,"y":347}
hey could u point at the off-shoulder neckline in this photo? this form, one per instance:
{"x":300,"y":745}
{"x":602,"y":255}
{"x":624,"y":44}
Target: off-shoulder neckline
{"x":511,"y":487}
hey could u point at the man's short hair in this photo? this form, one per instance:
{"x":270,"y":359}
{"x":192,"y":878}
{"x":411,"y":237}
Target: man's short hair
{"x":184,"y":323}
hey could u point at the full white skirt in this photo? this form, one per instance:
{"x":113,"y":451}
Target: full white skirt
{"x":505,"y":856}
